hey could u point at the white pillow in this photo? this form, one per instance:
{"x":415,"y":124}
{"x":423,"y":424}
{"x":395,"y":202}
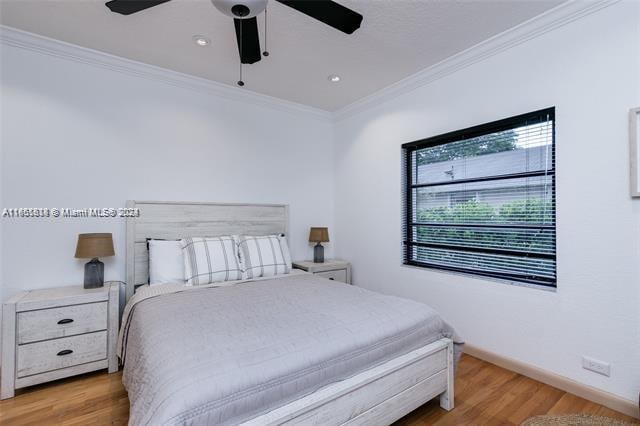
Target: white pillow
{"x":210,"y":260}
{"x":285,"y":251}
{"x":264,"y":256}
{"x":166,"y":264}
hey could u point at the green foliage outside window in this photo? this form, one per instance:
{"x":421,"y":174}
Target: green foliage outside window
{"x":532,"y":211}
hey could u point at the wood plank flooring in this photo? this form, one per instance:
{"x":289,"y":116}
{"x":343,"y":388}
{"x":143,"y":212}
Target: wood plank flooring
{"x":485,"y":395}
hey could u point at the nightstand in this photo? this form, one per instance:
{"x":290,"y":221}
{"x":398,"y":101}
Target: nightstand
{"x":334,"y":269}
{"x":58,"y":332}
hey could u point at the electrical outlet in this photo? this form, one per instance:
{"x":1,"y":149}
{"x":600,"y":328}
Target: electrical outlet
{"x":596,"y":366}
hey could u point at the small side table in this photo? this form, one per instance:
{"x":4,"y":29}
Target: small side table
{"x":334,"y":269}
{"x":59,"y":332}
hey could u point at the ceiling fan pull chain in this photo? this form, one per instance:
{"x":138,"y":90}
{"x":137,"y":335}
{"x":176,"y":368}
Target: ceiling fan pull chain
{"x":240,"y":82}
{"x":266,"y":52}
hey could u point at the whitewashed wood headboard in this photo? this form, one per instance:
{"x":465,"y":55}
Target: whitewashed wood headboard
{"x":175,"y":220}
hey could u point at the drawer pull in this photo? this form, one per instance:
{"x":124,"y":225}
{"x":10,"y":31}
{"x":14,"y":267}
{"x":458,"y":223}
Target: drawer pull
{"x":332,"y":278}
{"x":65,"y":321}
{"x":65,"y":352}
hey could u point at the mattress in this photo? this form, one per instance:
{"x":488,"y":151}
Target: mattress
{"x":226,"y":354}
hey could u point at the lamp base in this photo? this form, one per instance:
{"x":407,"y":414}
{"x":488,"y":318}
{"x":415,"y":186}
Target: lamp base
{"x":94,"y":274}
{"x":318,"y":253}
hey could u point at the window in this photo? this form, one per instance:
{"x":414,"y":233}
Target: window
{"x":482,"y":200}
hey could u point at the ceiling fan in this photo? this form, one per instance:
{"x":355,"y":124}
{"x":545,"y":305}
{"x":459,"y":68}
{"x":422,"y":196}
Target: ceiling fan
{"x":244,"y":14}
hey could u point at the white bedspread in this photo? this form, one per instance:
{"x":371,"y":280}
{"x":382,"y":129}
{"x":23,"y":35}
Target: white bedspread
{"x":225,"y":354}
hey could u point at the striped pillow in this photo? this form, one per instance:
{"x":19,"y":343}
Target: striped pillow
{"x":264,"y":256}
{"x":210,"y":260}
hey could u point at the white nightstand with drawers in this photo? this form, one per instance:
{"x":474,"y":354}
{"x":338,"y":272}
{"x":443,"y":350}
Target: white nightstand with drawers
{"x":58,"y":332}
{"x":334,"y":269}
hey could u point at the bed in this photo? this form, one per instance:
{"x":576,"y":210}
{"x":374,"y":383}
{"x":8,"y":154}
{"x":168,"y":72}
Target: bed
{"x":288,"y":349}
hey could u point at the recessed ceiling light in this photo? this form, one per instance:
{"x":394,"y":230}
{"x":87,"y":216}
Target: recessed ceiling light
{"x":201,"y":41}
{"x":334,"y":78}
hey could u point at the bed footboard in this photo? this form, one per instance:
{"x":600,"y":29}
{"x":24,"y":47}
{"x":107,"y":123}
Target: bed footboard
{"x":378,"y":396}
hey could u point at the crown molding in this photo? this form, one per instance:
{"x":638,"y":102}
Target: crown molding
{"x":47,"y":46}
{"x":555,"y":18}
{"x":535,"y":27}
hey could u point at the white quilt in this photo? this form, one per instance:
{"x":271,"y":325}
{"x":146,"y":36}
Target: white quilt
{"x":225,"y":354}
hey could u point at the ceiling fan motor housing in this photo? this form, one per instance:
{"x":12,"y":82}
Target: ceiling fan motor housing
{"x":240,"y":9}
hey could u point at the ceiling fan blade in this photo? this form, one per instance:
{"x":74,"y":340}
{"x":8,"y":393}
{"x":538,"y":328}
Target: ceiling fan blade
{"x":127,"y":7}
{"x":248,"y":41}
{"x":329,"y":12}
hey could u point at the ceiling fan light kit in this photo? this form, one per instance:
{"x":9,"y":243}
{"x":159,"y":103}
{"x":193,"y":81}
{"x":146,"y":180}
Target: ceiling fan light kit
{"x":244,"y":14}
{"x":243,"y":9}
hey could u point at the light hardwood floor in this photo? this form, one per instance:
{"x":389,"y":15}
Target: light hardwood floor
{"x":485,"y":395}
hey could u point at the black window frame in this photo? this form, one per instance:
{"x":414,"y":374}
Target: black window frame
{"x":468,"y":133}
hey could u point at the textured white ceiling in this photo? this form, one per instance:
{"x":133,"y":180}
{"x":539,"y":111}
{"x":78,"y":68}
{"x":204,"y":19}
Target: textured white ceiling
{"x":397,"y":38}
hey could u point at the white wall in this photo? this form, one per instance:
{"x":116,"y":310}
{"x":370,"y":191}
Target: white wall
{"x":75,"y":135}
{"x":590,"y":70}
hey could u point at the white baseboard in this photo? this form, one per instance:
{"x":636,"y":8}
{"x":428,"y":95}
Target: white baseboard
{"x":609,"y":400}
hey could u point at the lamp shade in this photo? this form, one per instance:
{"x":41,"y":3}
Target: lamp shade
{"x":94,"y":245}
{"x":319,"y":235}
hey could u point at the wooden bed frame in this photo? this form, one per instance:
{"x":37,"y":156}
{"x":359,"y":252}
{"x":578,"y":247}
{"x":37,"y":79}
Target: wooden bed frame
{"x":377,"y":396}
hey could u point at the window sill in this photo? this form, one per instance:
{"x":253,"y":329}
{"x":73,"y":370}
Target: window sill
{"x":484,"y":278}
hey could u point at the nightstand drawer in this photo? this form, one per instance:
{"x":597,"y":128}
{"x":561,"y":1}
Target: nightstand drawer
{"x":60,"y":322}
{"x":337,"y":275}
{"x":34,"y":358}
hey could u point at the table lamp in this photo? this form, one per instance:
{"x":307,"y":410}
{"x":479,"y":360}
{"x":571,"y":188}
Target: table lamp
{"x":93,"y":246}
{"x":318,"y":235}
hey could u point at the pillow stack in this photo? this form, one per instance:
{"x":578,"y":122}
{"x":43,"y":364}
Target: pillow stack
{"x":204,"y":260}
